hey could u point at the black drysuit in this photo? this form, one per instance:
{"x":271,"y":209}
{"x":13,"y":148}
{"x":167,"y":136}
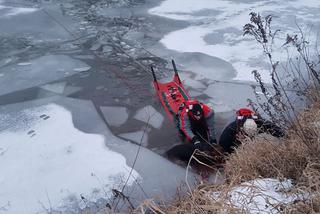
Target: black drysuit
{"x":228,"y":139}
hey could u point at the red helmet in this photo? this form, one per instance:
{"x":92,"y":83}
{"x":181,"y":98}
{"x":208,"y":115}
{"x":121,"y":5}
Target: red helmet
{"x":246,"y":113}
{"x":246,"y":120}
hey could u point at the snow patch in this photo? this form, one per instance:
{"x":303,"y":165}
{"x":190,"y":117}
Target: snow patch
{"x":52,"y":160}
{"x":150,"y":116}
{"x":24,"y":63}
{"x":14,"y":11}
{"x":261,"y":195}
{"x":20,"y":10}
{"x":82,"y":69}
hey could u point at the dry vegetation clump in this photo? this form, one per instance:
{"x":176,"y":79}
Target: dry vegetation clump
{"x":289,"y":158}
{"x":200,"y":200}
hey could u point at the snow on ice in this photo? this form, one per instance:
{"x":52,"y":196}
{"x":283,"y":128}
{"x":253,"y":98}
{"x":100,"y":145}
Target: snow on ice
{"x":82,"y":69}
{"x":46,"y":160}
{"x":228,"y":18}
{"x":7,"y":12}
{"x":261,"y":195}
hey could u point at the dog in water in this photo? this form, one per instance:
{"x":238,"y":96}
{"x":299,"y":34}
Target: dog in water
{"x":208,"y":154}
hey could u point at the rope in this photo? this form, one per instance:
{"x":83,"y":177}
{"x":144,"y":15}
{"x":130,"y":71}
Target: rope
{"x":127,"y":84}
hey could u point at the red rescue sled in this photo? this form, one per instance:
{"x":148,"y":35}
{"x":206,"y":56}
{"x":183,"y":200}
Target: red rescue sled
{"x":171,"y":94}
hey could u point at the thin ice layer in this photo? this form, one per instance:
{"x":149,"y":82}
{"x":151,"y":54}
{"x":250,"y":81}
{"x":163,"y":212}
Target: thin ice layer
{"x":115,"y":115}
{"x":139,"y":137}
{"x":37,"y":72}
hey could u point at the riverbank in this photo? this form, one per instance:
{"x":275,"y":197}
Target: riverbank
{"x":263,"y":176}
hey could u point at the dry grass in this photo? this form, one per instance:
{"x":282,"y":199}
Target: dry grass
{"x":297,"y":157}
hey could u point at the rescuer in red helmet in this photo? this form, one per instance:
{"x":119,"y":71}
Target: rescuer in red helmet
{"x":246,"y":124}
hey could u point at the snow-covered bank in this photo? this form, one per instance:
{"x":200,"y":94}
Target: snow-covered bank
{"x":261,"y":196}
{"x":216,"y":30}
{"x":46,"y":162}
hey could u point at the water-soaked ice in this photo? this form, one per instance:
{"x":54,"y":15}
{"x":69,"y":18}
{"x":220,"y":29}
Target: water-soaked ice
{"x":194,"y":93}
{"x":151,"y":116}
{"x":58,"y":87}
{"x":115,"y":115}
{"x":205,"y":66}
{"x":38,"y":71}
{"x":194,"y":84}
{"x":139,"y":137}
{"x":223,"y":99}
{"x":33,"y":21}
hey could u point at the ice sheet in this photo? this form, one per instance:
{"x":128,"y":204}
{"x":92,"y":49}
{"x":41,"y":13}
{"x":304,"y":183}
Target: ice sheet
{"x":40,"y":71}
{"x":7,"y":11}
{"x":45,"y":159}
{"x":139,"y":137}
{"x":222,"y":96}
{"x":115,"y":115}
{"x":149,"y":115}
{"x":19,"y":10}
{"x":34,"y":22}
{"x":194,"y":84}
{"x":227,"y":18}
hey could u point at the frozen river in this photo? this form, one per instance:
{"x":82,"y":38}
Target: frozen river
{"x":76,"y":98}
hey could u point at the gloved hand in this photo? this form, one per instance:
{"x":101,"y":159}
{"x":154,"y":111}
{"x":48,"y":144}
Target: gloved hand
{"x":195,"y":140}
{"x":200,"y":146}
{"x":213,"y":141}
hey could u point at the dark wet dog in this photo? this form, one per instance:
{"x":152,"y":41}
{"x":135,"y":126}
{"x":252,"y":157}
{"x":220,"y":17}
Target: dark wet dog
{"x":208,"y":154}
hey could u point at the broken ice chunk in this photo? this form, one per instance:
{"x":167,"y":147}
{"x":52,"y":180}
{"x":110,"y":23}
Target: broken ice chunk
{"x":149,"y":115}
{"x":115,"y":115}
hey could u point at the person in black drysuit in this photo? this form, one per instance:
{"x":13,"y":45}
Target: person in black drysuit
{"x":247,"y":124}
{"x":195,"y":123}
